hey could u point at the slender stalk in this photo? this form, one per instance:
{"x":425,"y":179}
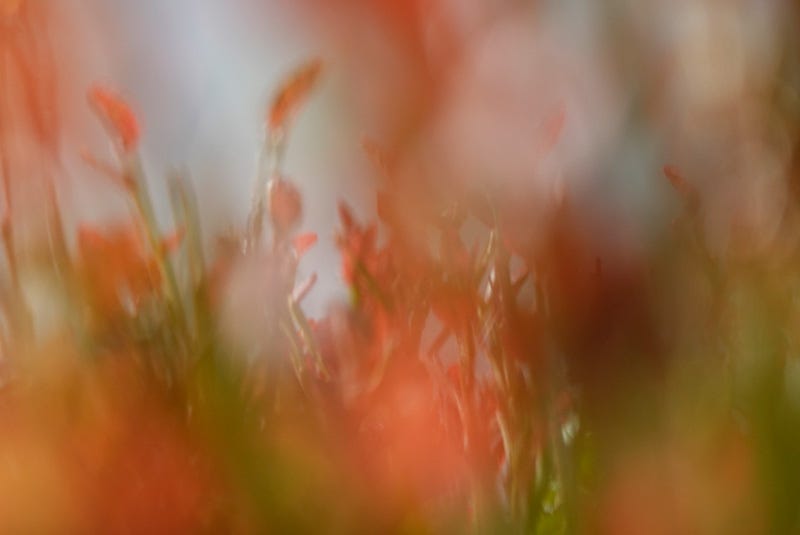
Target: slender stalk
{"x":307,"y":336}
{"x":294,"y":352}
{"x":184,"y":207}
{"x":20,"y":317}
{"x":55,"y":231}
{"x":141,"y":197}
{"x":270,"y":161}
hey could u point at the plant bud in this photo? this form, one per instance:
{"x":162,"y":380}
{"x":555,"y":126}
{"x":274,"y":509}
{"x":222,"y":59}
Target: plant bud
{"x":285,"y":205}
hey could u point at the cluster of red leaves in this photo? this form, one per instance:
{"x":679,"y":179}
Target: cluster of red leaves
{"x":117,"y":270}
{"x":500,"y":309}
{"x":452,"y":367}
{"x":407,"y":285}
{"x":116,"y":266}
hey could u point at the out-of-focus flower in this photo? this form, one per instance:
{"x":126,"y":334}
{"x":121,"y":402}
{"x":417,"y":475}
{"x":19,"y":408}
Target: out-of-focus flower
{"x":117,"y":116}
{"x":9,"y":7}
{"x":684,"y":488}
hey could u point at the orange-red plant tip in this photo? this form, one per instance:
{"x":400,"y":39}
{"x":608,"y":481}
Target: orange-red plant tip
{"x":304,"y":242}
{"x":117,"y":115}
{"x":292,"y":93}
{"x":345,"y":214}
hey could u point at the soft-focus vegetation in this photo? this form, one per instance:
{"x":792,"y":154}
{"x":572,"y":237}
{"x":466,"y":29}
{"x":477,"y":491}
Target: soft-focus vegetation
{"x":501,"y":365}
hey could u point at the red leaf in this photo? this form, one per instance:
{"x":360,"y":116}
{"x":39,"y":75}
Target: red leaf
{"x":115,"y":260}
{"x":304,"y":242}
{"x":117,"y":115}
{"x":346,"y":215}
{"x":292,"y":94}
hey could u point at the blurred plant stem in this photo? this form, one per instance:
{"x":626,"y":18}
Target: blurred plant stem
{"x":141,"y":197}
{"x":269,"y":165}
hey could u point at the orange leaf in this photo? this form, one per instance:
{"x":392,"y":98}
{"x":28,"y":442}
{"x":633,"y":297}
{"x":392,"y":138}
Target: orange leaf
{"x":112,"y":264}
{"x":292,"y":93}
{"x":304,"y":242}
{"x":117,"y":115}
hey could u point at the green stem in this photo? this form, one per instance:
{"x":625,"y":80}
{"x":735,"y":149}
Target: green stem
{"x":186,"y":214}
{"x":300,"y":319}
{"x":144,"y":206}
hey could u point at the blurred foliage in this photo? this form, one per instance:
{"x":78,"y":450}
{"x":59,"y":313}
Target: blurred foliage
{"x":489,"y":374}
